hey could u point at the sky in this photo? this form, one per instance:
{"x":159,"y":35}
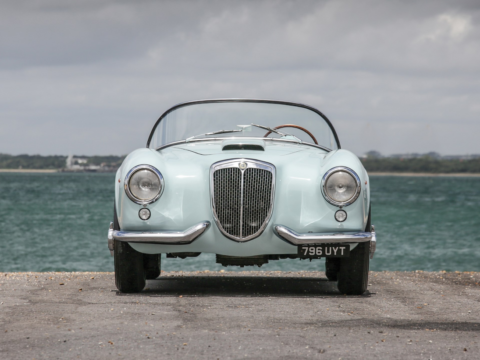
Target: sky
{"x":92,"y":77}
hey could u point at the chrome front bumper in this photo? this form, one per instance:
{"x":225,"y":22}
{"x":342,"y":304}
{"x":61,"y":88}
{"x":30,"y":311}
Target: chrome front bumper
{"x":295,"y":238}
{"x":192,"y":233}
{"x":157,"y":237}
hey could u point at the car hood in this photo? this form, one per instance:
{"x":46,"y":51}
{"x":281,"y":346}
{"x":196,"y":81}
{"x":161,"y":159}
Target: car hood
{"x":205,"y":154}
{"x":242,"y":146}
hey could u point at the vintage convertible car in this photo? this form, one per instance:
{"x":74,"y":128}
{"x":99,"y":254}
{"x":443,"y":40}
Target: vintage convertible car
{"x":248,"y":180}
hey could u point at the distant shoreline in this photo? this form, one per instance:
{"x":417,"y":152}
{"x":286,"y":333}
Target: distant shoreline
{"x":29,"y":170}
{"x":45,"y":171}
{"x":409,"y":174}
{"x":406,"y":174}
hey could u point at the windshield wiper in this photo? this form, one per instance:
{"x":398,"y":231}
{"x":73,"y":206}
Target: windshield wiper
{"x":213,"y":133}
{"x":270,"y":129}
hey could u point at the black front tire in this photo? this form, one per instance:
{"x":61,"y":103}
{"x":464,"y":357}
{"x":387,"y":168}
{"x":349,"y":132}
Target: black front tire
{"x":353,"y":274}
{"x":129,"y":271}
{"x":152,"y":265}
{"x":129,"y":265}
{"x":332,"y":267}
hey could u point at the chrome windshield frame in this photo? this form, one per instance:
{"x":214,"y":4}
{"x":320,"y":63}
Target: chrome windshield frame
{"x":233,"y":100}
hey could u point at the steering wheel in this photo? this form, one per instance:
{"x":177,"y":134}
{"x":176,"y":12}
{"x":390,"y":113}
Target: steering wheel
{"x":296,"y":127}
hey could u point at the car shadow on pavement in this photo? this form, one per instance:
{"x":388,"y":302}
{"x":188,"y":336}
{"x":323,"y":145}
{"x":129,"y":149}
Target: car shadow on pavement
{"x":252,"y":286}
{"x":433,"y":325}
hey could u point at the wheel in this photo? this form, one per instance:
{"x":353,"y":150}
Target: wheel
{"x":353,"y":274}
{"x":129,"y":271}
{"x":129,"y":268}
{"x":152,"y":265}
{"x":332,"y":267}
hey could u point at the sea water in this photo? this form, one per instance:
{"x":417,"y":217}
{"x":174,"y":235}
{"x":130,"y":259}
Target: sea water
{"x":59,"y":222}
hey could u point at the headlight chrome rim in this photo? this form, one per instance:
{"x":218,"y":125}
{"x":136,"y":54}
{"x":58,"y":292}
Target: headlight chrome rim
{"x":325,"y":181}
{"x":135,"y":170}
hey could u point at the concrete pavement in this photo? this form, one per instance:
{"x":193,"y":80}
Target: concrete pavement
{"x":239,"y":315}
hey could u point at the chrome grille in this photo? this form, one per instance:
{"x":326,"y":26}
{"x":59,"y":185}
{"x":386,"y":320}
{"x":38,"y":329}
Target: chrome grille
{"x":228,"y":199}
{"x":257,"y":187}
{"x":242,"y":198}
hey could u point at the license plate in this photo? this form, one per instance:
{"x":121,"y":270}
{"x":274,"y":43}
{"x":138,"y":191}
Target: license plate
{"x":318,"y":251}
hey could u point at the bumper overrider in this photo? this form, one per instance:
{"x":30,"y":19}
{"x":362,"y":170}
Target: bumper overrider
{"x":192,"y":233}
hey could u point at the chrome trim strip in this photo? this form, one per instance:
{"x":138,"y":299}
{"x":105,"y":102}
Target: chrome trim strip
{"x":320,"y":238}
{"x":235,"y":163}
{"x":373,"y":243}
{"x":162,"y":237}
{"x":127,"y":186}
{"x":325,"y":180}
{"x":110,"y":239}
{"x":241,"y":203}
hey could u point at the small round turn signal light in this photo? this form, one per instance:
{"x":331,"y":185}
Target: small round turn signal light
{"x":144,"y":214}
{"x":341,"y":216}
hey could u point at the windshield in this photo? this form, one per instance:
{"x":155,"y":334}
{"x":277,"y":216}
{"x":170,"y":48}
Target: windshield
{"x":199,"y":119}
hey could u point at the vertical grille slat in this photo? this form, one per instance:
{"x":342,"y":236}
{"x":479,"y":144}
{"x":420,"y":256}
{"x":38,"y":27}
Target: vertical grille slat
{"x":243,"y":200}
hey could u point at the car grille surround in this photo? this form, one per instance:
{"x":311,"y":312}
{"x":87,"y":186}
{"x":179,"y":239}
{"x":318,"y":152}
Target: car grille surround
{"x":242,"y":192}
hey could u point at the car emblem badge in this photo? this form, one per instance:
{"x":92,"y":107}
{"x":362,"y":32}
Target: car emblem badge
{"x":242,"y":166}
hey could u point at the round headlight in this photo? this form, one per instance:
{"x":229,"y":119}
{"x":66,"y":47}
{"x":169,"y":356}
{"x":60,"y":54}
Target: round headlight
{"x":341,"y":186}
{"x":144,"y":184}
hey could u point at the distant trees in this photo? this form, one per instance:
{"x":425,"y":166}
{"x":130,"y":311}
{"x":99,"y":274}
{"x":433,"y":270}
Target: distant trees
{"x":31,"y":161}
{"x":111,"y":160}
{"x":53,"y":162}
{"x":431,"y":162}
{"x":373,"y":154}
{"x":425,"y":164}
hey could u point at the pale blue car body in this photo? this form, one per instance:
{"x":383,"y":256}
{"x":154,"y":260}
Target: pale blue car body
{"x":187,"y":200}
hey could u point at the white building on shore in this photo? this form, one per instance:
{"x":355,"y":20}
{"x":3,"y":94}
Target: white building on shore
{"x":79,"y":164}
